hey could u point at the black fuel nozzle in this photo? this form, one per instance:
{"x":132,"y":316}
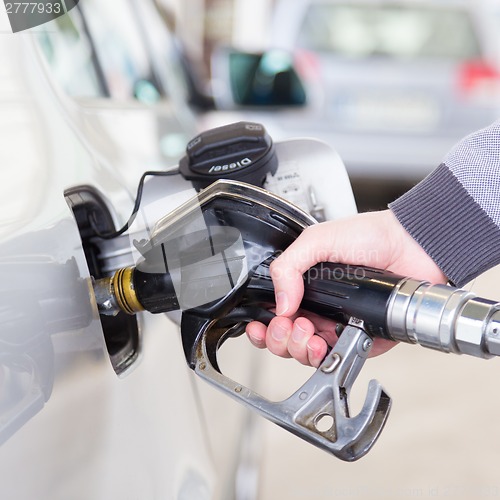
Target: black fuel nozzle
{"x":216,"y":256}
{"x":335,"y":291}
{"x":218,"y":247}
{"x":210,"y":258}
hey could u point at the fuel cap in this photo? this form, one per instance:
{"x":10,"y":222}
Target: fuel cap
{"x":240,"y":151}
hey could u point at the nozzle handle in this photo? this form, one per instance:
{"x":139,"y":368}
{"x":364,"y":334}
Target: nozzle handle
{"x":338,"y":291}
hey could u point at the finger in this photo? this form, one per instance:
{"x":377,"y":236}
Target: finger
{"x":277,"y":336}
{"x":256,"y":333}
{"x":324,"y":327}
{"x":316,"y":350}
{"x":302,"y":331}
{"x":286,"y":271}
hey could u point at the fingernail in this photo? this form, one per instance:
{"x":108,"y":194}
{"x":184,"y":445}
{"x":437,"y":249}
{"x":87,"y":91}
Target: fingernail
{"x":298,"y":333}
{"x":312,"y":356}
{"x":281,"y":303}
{"x":255,"y":340}
{"x":278,"y":332}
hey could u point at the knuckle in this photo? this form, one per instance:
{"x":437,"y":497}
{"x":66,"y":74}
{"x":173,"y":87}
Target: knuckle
{"x":276,"y":269}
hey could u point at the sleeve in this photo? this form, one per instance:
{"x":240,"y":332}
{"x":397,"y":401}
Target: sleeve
{"x":454,"y":213}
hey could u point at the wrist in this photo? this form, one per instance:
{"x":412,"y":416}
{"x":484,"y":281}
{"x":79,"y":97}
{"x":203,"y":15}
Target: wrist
{"x":450,"y":226}
{"x":409,"y":255}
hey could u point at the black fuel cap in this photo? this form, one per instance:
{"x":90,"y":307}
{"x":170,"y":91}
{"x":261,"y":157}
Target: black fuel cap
{"x":241,"y":151}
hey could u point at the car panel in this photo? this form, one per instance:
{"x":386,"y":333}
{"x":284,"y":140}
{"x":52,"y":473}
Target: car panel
{"x":96,"y":437}
{"x":81,"y":432}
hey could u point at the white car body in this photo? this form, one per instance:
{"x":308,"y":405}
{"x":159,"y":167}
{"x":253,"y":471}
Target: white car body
{"x":70,"y":426}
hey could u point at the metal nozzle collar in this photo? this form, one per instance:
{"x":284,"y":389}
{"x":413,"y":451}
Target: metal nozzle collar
{"x":444,"y":318}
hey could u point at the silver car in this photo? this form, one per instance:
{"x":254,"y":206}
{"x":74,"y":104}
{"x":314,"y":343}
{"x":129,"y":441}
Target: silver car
{"x":401,"y":81}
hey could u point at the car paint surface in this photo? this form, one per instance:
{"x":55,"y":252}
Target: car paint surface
{"x":71,"y":428}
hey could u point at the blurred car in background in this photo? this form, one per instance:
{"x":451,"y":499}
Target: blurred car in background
{"x":392,"y":85}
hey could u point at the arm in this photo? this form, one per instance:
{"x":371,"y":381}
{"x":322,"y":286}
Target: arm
{"x":454,"y":213}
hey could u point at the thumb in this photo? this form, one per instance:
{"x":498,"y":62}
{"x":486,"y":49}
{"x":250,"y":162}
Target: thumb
{"x":310,"y":248}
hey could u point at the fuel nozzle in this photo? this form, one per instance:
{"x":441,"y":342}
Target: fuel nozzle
{"x":190,"y":269}
{"x":132,"y":291}
{"x":210,"y":258}
{"x":402,"y":309}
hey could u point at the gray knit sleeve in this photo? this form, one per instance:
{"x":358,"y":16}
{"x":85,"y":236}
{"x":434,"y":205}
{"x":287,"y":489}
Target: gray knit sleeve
{"x":454,"y":213}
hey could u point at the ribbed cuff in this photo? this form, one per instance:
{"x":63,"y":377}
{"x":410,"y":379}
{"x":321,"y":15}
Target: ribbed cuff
{"x":450,"y":226}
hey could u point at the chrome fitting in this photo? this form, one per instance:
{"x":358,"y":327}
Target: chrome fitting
{"x":105,"y":298}
{"x":444,"y":318}
{"x":493,"y":333}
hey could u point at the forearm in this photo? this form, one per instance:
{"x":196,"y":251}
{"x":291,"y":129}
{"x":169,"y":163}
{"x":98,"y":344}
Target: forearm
{"x":454,"y":214}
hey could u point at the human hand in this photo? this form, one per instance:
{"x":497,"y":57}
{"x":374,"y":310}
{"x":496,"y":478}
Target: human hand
{"x":374,"y":239}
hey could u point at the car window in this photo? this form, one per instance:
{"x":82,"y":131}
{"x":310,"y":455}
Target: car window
{"x":98,"y":51}
{"x":121,"y":50}
{"x":68,"y":52}
{"x":389,"y":31}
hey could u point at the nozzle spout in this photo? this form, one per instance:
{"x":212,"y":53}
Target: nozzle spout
{"x":131,"y":291}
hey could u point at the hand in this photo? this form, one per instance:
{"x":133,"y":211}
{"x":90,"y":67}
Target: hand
{"x":374,"y":239}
